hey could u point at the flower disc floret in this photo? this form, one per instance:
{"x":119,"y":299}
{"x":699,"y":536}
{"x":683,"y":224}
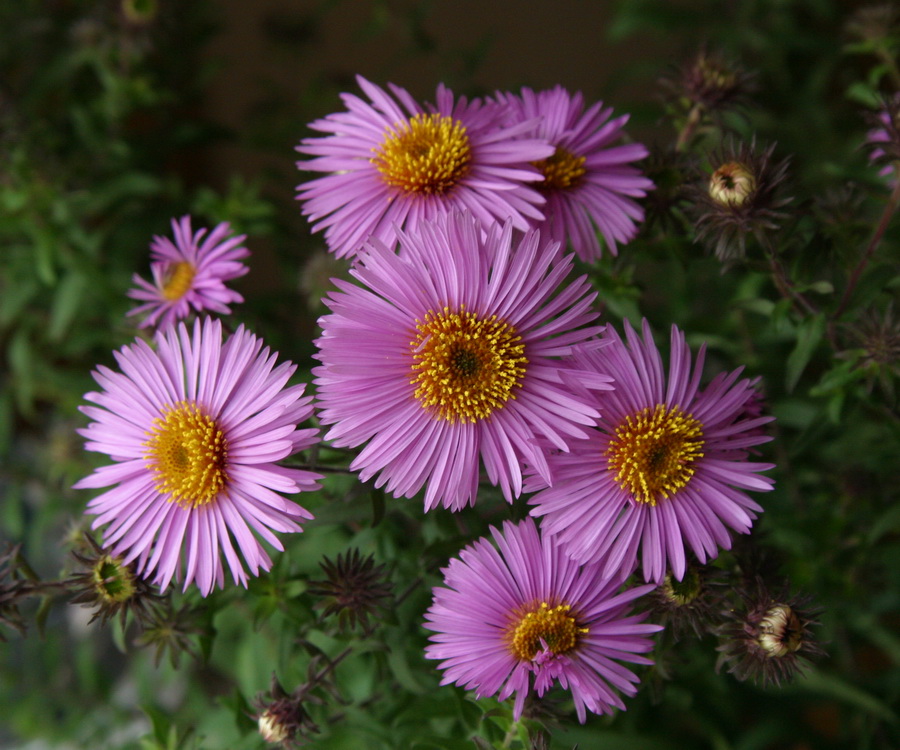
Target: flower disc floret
{"x":544,"y":629}
{"x":654,"y":451}
{"x":466,"y":367}
{"x":562,"y":170}
{"x":430,"y":153}
{"x":188,"y":453}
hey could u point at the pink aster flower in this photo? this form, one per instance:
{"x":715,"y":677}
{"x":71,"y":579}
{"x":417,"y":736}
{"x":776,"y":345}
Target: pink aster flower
{"x":190,"y":273}
{"x":449,"y":351}
{"x":524,"y":615}
{"x":392,"y":163}
{"x":589,"y":181}
{"x":664,"y":470}
{"x":194,"y":429}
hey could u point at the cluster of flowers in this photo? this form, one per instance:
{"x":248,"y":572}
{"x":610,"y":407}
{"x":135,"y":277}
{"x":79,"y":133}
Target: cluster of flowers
{"x":462,"y":344}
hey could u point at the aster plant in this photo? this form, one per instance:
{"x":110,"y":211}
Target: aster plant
{"x":195,"y":429}
{"x":189,"y":274}
{"x":391,"y":162}
{"x":590,"y":181}
{"x":521,"y":616}
{"x":448,"y":353}
{"x":664,"y":471}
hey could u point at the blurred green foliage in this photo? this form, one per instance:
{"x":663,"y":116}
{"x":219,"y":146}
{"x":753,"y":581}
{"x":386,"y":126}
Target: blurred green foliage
{"x":103,"y":140}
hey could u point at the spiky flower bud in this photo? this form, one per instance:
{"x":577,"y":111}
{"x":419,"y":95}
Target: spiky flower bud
{"x":111,"y":586}
{"x":688,"y":605}
{"x":354,"y":589}
{"x":764,"y":640}
{"x":710,"y":81}
{"x":876,"y":346}
{"x":740,"y":197}
{"x":281,"y":718}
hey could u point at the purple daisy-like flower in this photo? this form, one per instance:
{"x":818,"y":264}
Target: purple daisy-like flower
{"x":523,"y":614}
{"x":665,"y":468}
{"x":190,"y":273}
{"x":450,"y":351}
{"x":393,"y":163}
{"x":194,"y":429}
{"x":589,"y":181}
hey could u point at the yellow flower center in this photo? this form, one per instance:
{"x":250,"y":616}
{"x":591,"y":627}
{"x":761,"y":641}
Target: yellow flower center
{"x":187,"y":451}
{"x":427,"y":154}
{"x":653,"y":452}
{"x":554,"y":626}
{"x":562,"y":170}
{"x":177,"y":280}
{"x":464,"y":366}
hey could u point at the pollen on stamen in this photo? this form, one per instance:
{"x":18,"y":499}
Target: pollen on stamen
{"x":187,"y":451}
{"x":562,"y":170}
{"x":465,"y":367}
{"x":178,"y":279}
{"x":543,"y":627}
{"x":429,"y":154}
{"x":653,"y":452}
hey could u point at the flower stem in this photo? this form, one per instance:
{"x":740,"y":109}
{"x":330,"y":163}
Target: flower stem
{"x":694,"y":118}
{"x":883,"y":223}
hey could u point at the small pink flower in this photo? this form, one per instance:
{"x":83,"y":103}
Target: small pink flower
{"x":190,"y":273}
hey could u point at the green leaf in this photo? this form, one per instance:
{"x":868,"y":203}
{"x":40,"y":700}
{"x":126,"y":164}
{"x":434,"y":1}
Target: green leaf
{"x":66,"y":304}
{"x":809,"y":333}
{"x":832,"y":686}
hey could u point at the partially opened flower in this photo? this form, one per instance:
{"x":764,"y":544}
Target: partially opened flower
{"x":450,"y":352}
{"x":589,"y":180}
{"x":194,"y":429}
{"x":523,"y":615}
{"x":190,"y":274}
{"x":392,"y":163}
{"x":665,"y":469}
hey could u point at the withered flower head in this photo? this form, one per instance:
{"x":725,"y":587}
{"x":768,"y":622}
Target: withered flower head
{"x":691,"y":604}
{"x":739,"y":197}
{"x":354,"y":589}
{"x":876,"y":336}
{"x":110,"y":586}
{"x":766,"y":639}
{"x":711,"y":82}
{"x":281,"y":718}
{"x":13,"y":590}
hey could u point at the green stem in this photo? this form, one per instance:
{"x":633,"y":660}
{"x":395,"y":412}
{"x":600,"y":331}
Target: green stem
{"x":694,"y":118}
{"x":883,"y":223}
